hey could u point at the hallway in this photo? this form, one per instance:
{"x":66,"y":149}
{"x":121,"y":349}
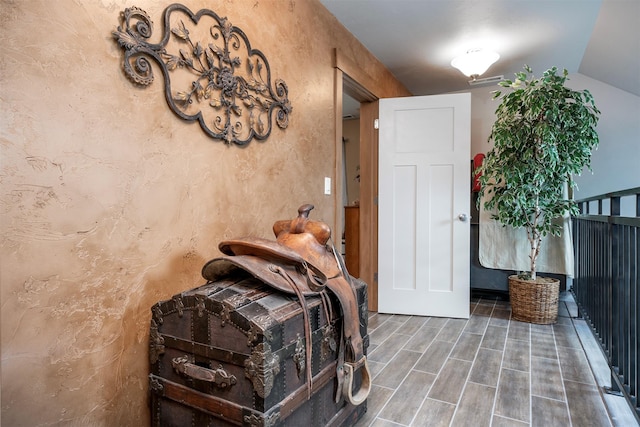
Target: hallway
{"x":488,"y":371}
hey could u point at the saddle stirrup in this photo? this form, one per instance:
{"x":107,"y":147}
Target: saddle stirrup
{"x":347,"y":385}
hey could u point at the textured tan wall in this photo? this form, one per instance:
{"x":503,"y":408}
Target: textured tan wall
{"x":111,"y":203}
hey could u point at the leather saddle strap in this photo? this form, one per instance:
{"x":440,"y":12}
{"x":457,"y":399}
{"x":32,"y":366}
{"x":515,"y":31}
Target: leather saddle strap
{"x":307,"y":325}
{"x":341,"y":288}
{"x":350,"y":355}
{"x":326,"y":305}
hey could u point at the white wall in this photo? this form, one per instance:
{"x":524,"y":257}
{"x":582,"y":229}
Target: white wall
{"x":615,"y":164}
{"x":483,"y":108}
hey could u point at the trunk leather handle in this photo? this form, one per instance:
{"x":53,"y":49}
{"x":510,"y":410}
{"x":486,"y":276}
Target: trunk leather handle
{"x":219,"y":377}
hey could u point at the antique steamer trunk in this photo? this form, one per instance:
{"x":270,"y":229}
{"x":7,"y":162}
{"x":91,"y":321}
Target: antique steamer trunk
{"x":232,"y":352}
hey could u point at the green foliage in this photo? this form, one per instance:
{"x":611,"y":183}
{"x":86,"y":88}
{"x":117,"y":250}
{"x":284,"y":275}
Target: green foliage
{"x":543,"y":135}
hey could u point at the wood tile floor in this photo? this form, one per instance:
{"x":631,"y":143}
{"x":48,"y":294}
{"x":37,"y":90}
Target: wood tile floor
{"x":485,"y":371}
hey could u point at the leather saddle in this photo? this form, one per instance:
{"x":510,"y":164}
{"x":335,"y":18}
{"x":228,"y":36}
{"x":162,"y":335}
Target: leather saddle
{"x":302,"y":262}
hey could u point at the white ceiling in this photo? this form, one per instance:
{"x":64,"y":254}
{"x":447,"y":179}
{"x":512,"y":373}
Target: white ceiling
{"x":417,"y":39}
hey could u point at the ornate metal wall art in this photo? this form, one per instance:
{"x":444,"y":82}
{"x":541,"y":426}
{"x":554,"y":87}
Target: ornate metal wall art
{"x":211,"y":73}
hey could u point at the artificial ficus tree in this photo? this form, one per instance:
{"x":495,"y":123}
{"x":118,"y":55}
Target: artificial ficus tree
{"x":543,"y":135}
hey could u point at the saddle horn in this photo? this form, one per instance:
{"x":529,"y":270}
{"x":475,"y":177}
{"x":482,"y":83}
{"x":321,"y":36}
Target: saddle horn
{"x":302,"y":224}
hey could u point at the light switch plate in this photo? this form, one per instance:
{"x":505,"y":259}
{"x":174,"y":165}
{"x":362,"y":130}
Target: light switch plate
{"x":327,"y":185}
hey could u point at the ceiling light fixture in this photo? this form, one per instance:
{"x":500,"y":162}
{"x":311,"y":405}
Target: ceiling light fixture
{"x":475,"y":62}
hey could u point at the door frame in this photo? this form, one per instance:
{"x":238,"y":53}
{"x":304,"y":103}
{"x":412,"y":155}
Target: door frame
{"x":350,"y":78}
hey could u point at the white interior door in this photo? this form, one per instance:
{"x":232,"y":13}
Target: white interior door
{"x":423,"y":205}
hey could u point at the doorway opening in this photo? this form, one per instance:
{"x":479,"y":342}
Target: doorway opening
{"x":351,"y":183}
{"x":349,"y":84}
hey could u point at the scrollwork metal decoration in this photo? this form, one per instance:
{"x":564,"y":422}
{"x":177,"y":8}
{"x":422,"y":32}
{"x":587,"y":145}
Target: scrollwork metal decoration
{"x":223,"y":82}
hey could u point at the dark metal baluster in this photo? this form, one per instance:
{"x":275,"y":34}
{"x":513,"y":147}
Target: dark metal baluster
{"x":606,"y":285}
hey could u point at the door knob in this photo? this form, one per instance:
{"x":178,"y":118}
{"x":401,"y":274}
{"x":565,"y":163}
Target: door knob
{"x":464,"y":217}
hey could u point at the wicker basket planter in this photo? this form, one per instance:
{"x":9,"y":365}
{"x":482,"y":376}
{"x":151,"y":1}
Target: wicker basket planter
{"x":534,"y":301}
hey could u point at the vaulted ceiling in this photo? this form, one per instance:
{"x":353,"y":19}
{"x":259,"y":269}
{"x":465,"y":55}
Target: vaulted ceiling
{"x":417,"y":39}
